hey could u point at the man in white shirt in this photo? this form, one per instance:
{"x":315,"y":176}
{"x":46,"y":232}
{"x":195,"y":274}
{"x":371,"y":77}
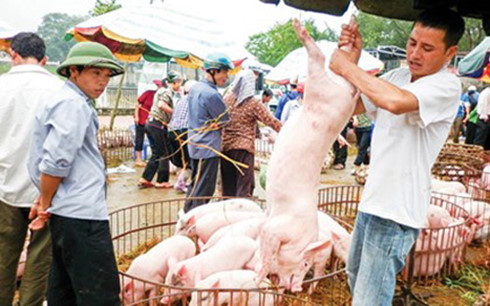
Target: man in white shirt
{"x":413,"y":109}
{"x":483,"y":124}
{"x":22,"y":91}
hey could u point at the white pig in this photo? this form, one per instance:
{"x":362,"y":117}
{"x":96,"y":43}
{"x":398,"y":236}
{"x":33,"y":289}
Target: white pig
{"x":231,"y":254}
{"x":447,"y":187}
{"x":207,"y":225}
{"x":239,"y":279}
{"x":289,"y":236}
{"x":249,"y":228}
{"x":186,"y":220}
{"x":152,"y":266}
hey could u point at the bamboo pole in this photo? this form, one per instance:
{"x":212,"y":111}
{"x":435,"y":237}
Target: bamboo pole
{"x":118,"y":97}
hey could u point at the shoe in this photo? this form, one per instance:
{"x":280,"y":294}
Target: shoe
{"x":338,"y":167}
{"x":143,"y":185}
{"x":140,"y":164}
{"x":163,"y":185}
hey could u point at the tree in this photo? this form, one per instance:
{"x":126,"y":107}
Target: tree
{"x":384,"y":31}
{"x":102,"y":7}
{"x":272,"y":46}
{"x":377,"y":31}
{"x":52,"y":30}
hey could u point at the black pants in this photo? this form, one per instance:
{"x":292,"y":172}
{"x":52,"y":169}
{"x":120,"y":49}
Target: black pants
{"x":139,"y":137}
{"x":158,"y":163}
{"x":174,"y":145}
{"x":363,"y":136}
{"x":234,"y":183}
{"x":340,"y":152}
{"x":203,"y":183}
{"x":470,"y":133}
{"x":83,"y":271}
{"x":482,"y":131}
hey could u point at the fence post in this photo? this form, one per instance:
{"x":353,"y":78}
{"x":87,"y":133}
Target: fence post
{"x":118,"y":97}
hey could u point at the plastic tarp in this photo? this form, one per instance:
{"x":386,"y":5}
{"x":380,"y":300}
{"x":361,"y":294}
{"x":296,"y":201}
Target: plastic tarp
{"x":294,"y":65}
{"x":476,"y":64}
{"x":158,"y":33}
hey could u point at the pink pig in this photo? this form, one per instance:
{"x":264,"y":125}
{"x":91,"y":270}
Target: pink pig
{"x":190,"y":218}
{"x":289,"y":236}
{"x":249,"y":228}
{"x":153,"y":266}
{"x":240,"y":279}
{"x":207,"y":225}
{"x":230,"y":254}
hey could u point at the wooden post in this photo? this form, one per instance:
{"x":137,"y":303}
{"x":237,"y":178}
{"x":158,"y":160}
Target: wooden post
{"x":118,"y":97}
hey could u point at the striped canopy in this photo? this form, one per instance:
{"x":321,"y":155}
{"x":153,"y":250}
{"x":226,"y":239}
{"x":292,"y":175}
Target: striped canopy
{"x":158,"y":33}
{"x":6,"y":33}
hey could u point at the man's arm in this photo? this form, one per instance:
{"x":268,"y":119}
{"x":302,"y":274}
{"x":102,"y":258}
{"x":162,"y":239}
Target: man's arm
{"x":381,"y":93}
{"x":49,"y":185}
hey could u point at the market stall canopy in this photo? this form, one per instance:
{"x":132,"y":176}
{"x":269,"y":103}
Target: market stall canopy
{"x":476,"y":64}
{"x":399,"y":9}
{"x":294,"y":65}
{"x":158,"y":33}
{"x":6,"y":33}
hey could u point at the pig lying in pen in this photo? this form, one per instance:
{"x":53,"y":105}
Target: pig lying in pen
{"x":289,"y":237}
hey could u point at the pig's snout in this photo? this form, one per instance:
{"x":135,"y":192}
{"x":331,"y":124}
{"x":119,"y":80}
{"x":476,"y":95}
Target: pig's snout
{"x":165,"y":300}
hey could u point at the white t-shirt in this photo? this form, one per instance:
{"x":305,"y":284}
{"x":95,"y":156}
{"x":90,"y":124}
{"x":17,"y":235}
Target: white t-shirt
{"x":22,"y":91}
{"x":404,"y":147}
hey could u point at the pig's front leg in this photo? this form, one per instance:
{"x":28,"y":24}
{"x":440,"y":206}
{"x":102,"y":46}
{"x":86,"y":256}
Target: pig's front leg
{"x":270,"y":243}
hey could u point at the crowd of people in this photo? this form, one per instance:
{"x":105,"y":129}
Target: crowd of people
{"x":471,"y":121}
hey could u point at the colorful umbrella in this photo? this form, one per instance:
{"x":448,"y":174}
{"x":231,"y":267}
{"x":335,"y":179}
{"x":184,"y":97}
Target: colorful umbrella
{"x":6,"y":33}
{"x":476,"y":63}
{"x":295,"y":63}
{"x":158,"y":33}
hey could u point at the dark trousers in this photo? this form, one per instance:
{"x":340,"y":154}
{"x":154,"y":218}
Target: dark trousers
{"x":175,"y":151}
{"x":482,"y":130}
{"x":13,"y":231}
{"x":84,"y":270}
{"x":470,"y":133}
{"x":234,"y":183}
{"x":203,"y":182}
{"x":158,"y":163}
{"x":363,"y":136}
{"x":139,"y":137}
{"x":340,"y":152}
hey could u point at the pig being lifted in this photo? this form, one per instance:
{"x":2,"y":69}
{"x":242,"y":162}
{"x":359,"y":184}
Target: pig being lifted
{"x":289,"y":236}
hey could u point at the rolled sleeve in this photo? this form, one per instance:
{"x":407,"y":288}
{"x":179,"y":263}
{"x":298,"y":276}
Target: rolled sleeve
{"x":66,"y":124}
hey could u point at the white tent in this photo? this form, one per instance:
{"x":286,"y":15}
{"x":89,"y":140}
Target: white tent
{"x":294,"y":65}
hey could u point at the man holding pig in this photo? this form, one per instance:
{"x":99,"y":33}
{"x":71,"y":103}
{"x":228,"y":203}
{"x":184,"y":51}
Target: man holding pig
{"x":413,"y":109}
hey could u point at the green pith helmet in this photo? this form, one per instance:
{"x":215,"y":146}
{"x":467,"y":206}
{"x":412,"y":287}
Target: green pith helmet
{"x":218,"y":61}
{"x":90,"y":54}
{"x":173,"y":76}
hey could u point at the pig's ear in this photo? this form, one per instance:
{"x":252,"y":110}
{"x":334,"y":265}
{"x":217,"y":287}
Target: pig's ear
{"x":314,"y":247}
{"x":182,"y":271}
{"x":215,"y":285}
{"x":191,"y":221}
{"x":335,"y":237}
{"x":128,"y":286}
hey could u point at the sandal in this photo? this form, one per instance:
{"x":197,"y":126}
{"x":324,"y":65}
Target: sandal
{"x":339,"y":167}
{"x":143,"y":185}
{"x":163,"y":185}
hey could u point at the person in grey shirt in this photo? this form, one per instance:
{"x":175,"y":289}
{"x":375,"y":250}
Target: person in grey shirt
{"x":206,"y":111}
{"x":67,"y":167}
